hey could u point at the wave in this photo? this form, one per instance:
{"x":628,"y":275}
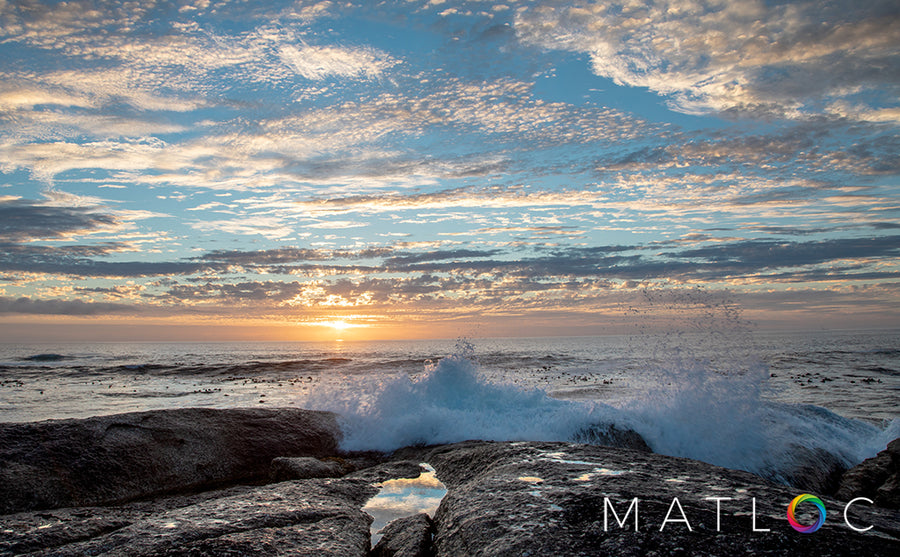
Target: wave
{"x":878,"y":369}
{"x":725,"y":419}
{"x":692,"y":412}
{"x":241,"y":369}
{"x":449,"y":403}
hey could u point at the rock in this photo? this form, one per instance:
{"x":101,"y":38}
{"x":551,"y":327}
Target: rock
{"x":388,"y":471}
{"x":611,"y":436}
{"x":121,"y":457}
{"x":529,"y":498}
{"x":888,"y":495}
{"x":877,"y":478}
{"x":303,"y":467}
{"x":309,"y":517}
{"x":302,"y":517}
{"x":406,"y":537}
{"x":813,"y":470}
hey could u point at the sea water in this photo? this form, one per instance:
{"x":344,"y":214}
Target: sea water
{"x":744,"y":402}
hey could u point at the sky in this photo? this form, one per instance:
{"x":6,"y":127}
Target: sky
{"x":303,"y":170}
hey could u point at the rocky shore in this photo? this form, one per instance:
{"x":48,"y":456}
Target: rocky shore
{"x":273,"y":482}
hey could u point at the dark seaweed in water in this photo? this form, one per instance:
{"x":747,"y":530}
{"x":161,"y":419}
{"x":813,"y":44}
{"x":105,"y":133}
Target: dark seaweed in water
{"x":44,"y":358}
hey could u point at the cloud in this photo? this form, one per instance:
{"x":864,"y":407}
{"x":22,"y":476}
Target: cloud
{"x":60,"y":125}
{"x":34,"y":252}
{"x":719,"y":260}
{"x":319,"y":62}
{"x":286,"y":255}
{"x":187,"y":54}
{"x":685,"y":197}
{"x":144,"y":89}
{"x":786,"y":59}
{"x":27,"y":305}
{"x":26,"y":220}
{"x":17,"y":98}
{"x":764,"y":254}
{"x":470,"y":197}
{"x":67,"y":262}
{"x":47,"y":160}
{"x":269,"y":227}
{"x":403,"y":260}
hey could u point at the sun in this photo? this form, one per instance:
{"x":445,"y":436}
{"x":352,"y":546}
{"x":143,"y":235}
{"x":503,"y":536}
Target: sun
{"x":339,"y":325}
{"x":335,"y":328}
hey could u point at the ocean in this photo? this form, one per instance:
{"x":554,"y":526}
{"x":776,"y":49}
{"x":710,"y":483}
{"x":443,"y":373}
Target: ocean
{"x":743,"y":401}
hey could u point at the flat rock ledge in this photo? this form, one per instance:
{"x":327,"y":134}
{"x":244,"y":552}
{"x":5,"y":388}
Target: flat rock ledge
{"x":504,"y":498}
{"x":109,"y":459}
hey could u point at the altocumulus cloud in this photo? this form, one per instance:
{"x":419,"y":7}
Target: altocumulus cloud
{"x":783,"y":58}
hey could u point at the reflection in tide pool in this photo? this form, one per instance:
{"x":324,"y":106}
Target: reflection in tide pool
{"x":405,"y":497}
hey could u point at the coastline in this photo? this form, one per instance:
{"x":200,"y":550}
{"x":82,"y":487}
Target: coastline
{"x":200,"y":482}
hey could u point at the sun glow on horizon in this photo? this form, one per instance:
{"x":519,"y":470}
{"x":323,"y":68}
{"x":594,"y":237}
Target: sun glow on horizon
{"x":344,"y":327}
{"x":339,"y":325}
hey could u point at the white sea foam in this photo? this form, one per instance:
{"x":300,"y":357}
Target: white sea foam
{"x":724,"y":419}
{"x":450,"y":402}
{"x":691,"y":412}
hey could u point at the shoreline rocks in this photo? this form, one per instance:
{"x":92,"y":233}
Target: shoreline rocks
{"x":108,"y":459}
{"x":812,"y":470}
{"x":877,"y":478}
{"x":504,"y":498}
{"x":555,"y":498}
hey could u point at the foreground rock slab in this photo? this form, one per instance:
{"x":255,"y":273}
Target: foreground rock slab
{"x":553,"y":499}
{"x":108,"y":459}
{"x":308,"y":517}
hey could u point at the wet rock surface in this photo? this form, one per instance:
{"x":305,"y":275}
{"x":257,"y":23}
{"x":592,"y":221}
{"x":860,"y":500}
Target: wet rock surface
{"x":611,"y":436}
{"x":390,"y":470}
{"x":510,"y":498}
{"x":406,"y":537}
{"x":303,"y":467}
{"x":302,"y":517}
{"x":309,"y":517}
{"x":116,"y":458}
{"x":877,"y":478}
{"x":549,"y":499}
{"x":814,"y":470}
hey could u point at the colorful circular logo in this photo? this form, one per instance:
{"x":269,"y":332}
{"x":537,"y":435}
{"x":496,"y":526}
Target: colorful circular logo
{"x":802,"y":499}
